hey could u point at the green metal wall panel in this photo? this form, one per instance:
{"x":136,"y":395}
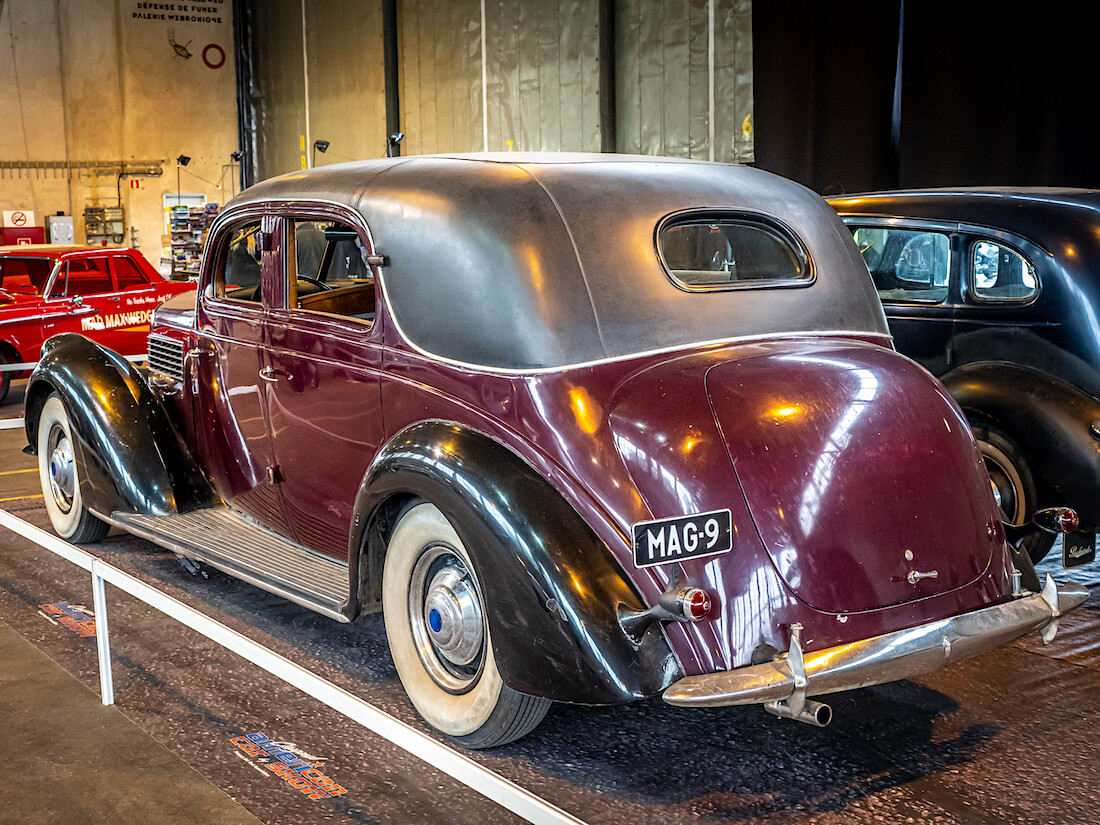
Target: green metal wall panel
{"x":347,"y":89}
{"x":542,"y":70}
{"x":663,"y":83}
{"x":278,"y":95}
{"x":733,"y":118}
{"x":543,"y":75}
{"x":439,"y":65}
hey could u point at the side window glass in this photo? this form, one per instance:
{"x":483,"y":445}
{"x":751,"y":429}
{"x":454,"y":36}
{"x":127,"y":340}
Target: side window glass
{"x":1000,"y":274}
{"x":238,"y":277}
{"x":127,"y":275}
{"x":906,"y":265}
{"x":24,"y":276}
{"x":87,"y":276}
{"x":331,"y":274}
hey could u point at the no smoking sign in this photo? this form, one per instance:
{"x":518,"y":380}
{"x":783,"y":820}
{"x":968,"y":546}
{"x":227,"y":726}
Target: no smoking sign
{"x":19,"y":218}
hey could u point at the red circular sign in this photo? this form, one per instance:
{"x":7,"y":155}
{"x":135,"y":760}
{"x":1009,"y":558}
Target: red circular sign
{"x":18,"y":218}
{"x":213,"y":56}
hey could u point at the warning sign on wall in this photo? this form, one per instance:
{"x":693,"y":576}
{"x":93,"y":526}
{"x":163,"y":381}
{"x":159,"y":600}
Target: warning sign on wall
{"x":18,"y":218}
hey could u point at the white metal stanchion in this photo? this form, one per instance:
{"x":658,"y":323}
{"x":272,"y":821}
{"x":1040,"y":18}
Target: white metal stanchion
{"x":102,"y":636}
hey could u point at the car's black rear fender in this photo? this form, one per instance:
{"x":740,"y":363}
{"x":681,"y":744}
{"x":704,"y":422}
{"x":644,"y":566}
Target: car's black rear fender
{"x":129,"y":455}
{"x":552,"y":589}
{"x":1050,"y":420}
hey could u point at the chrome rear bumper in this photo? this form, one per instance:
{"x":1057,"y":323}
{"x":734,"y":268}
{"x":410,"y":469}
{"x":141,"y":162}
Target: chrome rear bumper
{"x":900,"y":655}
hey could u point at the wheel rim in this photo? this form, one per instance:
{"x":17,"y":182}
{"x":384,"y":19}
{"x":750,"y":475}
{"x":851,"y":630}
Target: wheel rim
{"x":447,"y":620}
{"x":62,"y":469}
{"x":1004,"y":490}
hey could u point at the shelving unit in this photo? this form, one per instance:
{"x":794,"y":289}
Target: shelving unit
{"x":103,"y":224}
{"x":188,"y":226}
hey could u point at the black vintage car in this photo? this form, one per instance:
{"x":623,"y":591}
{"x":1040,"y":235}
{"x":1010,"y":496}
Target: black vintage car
{"x":997,"y":292}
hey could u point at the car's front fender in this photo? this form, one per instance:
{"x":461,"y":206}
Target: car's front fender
{"x":1049,"y":419}
{"x":129,"y":455}
{"x":552,"y":589}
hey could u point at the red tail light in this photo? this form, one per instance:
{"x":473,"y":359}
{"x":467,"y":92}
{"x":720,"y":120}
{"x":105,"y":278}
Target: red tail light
{"x":694,"y":603}
{"x":1067,"y":520}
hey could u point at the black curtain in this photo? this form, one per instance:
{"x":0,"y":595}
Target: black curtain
{"x":823,"y":90}
{"x":989,"y":94}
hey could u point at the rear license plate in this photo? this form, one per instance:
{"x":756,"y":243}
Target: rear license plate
{"x":669,"y":540}
{"x":1078,"y":548}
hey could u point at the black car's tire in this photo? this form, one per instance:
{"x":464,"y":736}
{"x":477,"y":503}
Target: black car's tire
{"x":432,"y":604}
{"x":1013,"y":485}
{"x":5,"y":377}
{"x":60,"y":485}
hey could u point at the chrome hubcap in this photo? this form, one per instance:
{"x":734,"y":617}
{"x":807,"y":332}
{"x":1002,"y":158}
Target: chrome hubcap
{"x":62,"y":471}
{"x":996,"y":492}
{"x":447,"y":620}
{"x":453,"y":615}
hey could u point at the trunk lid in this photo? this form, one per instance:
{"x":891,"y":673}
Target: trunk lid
{"x":859,"y":469}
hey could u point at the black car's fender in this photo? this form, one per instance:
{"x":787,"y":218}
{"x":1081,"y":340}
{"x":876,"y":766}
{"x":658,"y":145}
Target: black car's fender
{"x":129,"y":455}
{"x":552,"y":589}
{"x":1049,"y":419}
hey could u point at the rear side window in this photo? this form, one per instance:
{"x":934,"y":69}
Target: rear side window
{"x":127,"y":275}
{"x":907,"y":265}
{"x":725,"y":252}
{"x":1001,"y":274}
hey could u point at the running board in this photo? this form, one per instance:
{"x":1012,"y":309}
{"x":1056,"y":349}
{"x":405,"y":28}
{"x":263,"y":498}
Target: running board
{"x":224,"y":539}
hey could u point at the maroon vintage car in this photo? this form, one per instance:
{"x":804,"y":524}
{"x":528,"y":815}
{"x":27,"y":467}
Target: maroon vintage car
{"x":585,"y":429}
{"x":105,"y":293}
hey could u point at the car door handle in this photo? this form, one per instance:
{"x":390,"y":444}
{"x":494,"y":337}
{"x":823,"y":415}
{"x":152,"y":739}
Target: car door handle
{"x":114,"y":299}
{"x":273,"y":375}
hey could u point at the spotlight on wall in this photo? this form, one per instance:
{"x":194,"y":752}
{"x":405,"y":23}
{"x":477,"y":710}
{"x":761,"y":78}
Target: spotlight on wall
{"x":236,"y":156}
{"x":318,"y":146}
{"x":393,"y":144}
{"x":181,"y":161}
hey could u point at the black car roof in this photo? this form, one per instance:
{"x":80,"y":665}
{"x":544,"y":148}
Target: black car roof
{"x":1051,"y":217}
{"x":541,"y":261}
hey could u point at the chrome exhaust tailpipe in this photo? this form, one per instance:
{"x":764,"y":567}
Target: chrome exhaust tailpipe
{"x":813,"y":713}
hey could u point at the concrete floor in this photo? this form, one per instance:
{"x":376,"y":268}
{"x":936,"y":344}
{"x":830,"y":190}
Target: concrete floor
{"x":1011,"y":737}
{"x":69,"y":759}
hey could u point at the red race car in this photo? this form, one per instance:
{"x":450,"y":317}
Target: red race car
{"x":107,"y":294}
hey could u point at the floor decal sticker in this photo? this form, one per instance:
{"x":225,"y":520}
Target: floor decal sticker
{"x":76,"y":617}
{"x":296,"y":767}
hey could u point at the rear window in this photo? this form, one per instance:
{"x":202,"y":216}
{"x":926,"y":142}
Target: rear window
{"x":723,"y":252}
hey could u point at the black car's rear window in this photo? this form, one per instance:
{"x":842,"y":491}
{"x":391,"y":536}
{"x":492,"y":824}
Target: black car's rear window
{"x":725,"y":251}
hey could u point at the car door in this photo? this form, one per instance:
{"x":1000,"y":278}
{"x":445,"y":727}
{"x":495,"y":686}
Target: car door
{"x":999,"y":317}
{"x":82,"y":299}
{"x":915,"y":270}
{"x":135,"y":298}
{"x":233,"y":438}
{"x":323,"y":377}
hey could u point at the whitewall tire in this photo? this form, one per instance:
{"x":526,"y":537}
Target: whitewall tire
{"x":57,"y":471}
{"x":439,"y":636}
